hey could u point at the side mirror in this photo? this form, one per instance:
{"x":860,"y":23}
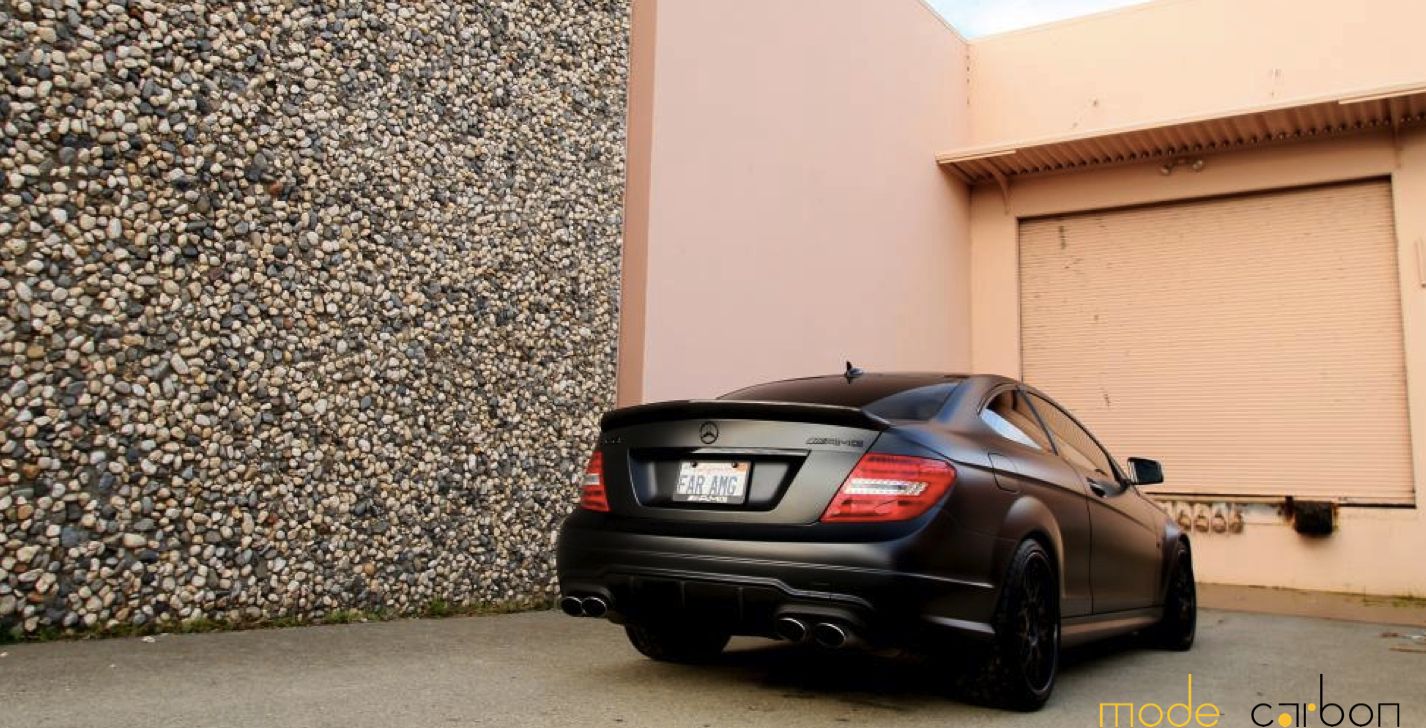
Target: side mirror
{"x":1146,"y":471}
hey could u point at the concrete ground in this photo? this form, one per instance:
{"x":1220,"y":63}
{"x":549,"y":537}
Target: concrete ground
{"x":545,"y":669}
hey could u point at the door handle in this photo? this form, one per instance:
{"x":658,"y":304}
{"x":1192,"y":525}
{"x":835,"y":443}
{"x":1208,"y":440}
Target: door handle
{"x":1097,"y":488}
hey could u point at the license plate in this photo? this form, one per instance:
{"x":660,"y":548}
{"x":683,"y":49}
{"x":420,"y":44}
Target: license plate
{"x":705,"y":481}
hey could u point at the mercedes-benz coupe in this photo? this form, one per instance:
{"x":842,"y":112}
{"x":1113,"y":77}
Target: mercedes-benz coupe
{"x":971,"y":515}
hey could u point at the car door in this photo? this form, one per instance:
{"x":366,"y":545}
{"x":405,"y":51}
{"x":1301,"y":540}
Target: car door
{"x":1125,"y":543}
{"x":1025,"y":456}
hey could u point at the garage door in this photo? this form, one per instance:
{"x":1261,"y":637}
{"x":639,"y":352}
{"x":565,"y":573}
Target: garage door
{"x":1252,"y":343}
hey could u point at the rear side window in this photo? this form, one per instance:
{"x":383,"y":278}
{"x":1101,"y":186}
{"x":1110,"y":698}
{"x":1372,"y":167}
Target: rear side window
{"x":921,"y":403}
{"x":1076,"y":444}
{"x":1009,"y":414}
{"x":887,"y":396}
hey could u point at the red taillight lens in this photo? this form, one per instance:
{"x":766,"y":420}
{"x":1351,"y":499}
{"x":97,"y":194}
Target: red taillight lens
{"x":890,"y":488}
{"x":591,"y":494}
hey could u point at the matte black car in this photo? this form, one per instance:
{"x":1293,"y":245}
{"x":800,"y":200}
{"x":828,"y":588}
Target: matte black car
{"x":969,"y":514}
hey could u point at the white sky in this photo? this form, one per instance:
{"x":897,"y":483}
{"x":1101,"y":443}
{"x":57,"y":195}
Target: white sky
{"x":982,"y":17}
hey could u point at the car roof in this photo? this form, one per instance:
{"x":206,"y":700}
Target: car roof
{"x":906,"y":378}
{"x":867,"y":379}
{"x":859,"y":390}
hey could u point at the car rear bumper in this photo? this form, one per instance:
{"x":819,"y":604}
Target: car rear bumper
{"x":747,"y":586}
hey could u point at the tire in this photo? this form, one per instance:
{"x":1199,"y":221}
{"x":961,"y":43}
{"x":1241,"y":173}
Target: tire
{"x":676,"y":644}
{"x":1017,"y":670}
{"x":1175,"y":631}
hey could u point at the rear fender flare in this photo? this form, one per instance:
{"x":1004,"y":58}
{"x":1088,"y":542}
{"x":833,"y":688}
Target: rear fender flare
{"x":1029,"y":517}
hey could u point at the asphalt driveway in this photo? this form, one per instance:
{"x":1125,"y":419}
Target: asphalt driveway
{"x":544,"y":669}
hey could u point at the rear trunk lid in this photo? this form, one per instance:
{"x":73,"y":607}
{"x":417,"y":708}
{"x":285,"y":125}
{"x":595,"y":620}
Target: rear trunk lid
{"x":731,"y":461}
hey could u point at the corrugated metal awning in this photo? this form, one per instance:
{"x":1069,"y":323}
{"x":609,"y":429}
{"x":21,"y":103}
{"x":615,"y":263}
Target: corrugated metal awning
{"x":1389,"y":107}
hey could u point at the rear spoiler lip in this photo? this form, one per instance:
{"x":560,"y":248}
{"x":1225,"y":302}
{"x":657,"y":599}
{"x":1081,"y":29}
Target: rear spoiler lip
{"x":739,"y":409}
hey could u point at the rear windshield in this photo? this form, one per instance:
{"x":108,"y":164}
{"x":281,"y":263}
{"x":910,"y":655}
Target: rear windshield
{"x":890,"y":397}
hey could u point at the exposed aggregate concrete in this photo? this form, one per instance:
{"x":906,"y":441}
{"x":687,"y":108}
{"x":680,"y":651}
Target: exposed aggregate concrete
{"x":307,"y":305}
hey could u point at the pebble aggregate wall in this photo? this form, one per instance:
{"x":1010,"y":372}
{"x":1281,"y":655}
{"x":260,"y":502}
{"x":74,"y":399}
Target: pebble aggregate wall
{"x":309,"y":306}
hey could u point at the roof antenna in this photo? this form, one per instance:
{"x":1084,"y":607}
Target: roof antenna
{"x":852,"y":372}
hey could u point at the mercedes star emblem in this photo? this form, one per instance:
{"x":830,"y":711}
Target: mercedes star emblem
{"x":708,"y":433}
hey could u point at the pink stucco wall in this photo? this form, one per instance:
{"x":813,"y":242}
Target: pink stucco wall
{"x":1172,"y":59}
{"x":795,"y":214}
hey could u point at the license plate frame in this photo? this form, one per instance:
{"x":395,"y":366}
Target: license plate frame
{"x":713,"y":482}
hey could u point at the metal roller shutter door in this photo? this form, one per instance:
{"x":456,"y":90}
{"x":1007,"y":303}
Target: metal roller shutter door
{"x":1253,"y":343}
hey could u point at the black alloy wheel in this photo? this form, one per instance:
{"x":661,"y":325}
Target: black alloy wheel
{"x":1038,"y":624}
{"x":1018,"y":669}
{"x":1177,"y":628}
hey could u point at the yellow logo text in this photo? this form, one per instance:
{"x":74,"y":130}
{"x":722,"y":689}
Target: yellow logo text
{"x":1152,"y":715}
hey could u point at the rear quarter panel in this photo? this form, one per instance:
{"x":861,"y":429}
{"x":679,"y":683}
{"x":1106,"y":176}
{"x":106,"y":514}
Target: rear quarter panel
{"x":1022,"y":495}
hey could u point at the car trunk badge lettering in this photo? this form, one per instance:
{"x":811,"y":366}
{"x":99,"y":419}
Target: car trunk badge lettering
{"x":835,"y":442}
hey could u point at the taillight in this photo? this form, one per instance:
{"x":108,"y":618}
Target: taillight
{"x":890,"y":488}
{"x":592,"y":495}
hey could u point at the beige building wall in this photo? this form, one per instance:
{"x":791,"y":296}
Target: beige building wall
{"x":1191,"y":59}
{"x":1178,"y":59}
{"x":1374,"y":550}
{"x":795,"y":214}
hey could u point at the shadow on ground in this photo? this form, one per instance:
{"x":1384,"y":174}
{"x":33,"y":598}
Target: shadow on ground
{"x":888,"y":680}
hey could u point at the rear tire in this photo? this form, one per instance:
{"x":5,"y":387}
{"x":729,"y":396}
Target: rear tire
{"x":676,"y":644}
{"x":1176,"y":630}
{"x":1017,"y":671}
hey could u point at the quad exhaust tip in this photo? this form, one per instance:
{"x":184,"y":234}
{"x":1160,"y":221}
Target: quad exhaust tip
{"x":830,"y":635}
{"x":572,"y":606}
{"x":594,"y":607}
{"x":584,"y":606}
{"x":791,"y":629}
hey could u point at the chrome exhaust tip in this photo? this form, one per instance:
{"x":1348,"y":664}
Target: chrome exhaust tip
{"x":791,"y":629}
{"x":572,"y":606}
{"x":594,"y":607}
{"x":830,"y":635}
